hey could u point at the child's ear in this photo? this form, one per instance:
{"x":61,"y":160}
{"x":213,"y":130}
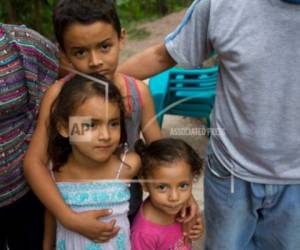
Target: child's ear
{"x":122,"y":38}
{"x":62,"y":130}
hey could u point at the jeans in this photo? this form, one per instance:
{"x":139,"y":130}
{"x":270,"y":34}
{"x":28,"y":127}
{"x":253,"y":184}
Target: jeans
{"x":250,"y":216}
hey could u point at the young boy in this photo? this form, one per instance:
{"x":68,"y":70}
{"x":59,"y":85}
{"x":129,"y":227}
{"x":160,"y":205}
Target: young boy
{"x":90,"y":38}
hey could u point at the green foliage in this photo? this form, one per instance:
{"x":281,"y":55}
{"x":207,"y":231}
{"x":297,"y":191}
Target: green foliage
{"x":137,"y":33}
{"x":37,"y":14}
{"x":133,"y":10}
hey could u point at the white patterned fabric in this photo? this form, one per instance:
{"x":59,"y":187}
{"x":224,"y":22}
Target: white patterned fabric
{"x":85,"y":196}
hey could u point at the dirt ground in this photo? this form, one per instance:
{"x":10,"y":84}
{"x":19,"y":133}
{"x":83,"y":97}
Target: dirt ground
{"x":158,"y":30}
{"x":172,"y":125}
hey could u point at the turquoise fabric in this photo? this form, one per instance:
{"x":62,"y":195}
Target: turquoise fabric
{"x":91,"y":195}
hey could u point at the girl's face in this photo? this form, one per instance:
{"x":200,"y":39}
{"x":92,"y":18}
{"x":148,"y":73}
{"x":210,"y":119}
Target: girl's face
{"x":172,"y":187}
{"x":94,"y":133}
{"x":93,"y":48}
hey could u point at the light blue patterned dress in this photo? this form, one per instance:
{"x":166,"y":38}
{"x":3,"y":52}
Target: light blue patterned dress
{"x":85,"y":196}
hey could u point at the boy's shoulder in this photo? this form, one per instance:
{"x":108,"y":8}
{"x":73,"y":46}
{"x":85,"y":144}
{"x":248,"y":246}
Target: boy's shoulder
{"x":144,"y":92}
{"x":140,"y":85}
{"x":143,"y":87}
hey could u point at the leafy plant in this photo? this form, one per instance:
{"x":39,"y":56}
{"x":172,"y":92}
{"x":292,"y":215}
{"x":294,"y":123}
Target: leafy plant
{"x":37,"y":14}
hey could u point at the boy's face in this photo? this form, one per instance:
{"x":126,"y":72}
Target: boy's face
{"x":93,"y":48}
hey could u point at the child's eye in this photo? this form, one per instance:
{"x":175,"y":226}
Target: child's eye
{"x":105,"y":47}
{"x":184,"y":185}
{"x":88,"y":125}
{"x":80,"y":53}
{"x":115,"y":124}
{"x":162,"y":188}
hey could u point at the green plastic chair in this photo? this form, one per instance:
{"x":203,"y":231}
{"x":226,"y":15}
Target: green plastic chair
{"x":184,"y":92}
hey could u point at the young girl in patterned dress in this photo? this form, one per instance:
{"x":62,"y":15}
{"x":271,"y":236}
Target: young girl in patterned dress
{"x":90,"y":163}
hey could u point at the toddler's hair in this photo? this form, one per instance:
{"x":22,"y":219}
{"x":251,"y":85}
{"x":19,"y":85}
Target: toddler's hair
{"x":73,"y":94}
{"x":166,"y":151}
{"x":68,"y":12}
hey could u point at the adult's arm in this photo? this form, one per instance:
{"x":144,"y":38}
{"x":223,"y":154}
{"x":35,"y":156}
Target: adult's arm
{"x":148,"y":62}
{"x":189,"y":45}
{"x":39,"y":178}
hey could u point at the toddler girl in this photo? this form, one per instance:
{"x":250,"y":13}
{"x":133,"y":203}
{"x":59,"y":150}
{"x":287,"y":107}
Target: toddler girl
{"x":169,"y":167}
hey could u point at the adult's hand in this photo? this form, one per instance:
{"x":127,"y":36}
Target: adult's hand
{"x":189,"y":211}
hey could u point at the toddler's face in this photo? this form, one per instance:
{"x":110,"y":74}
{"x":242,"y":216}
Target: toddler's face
{"x":97,"y":133}
{"x":172,"y":187}
{"x":93,"y":48}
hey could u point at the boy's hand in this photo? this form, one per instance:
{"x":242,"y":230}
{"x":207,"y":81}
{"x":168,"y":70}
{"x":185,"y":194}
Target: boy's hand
{"x":87,"y":224}
{"x":191,"y":221}
{"x":189,"y":211}
{"x":197,"y":230}
{"x":194,"y":229}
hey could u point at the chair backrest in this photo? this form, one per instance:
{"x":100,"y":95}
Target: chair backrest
{"x":192,"y":90}
{"x":184,"y":92}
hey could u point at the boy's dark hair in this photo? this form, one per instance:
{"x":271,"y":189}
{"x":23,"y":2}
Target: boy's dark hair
{"x":166,"y":151}
{"x":72,"y":95}
{"x":68,"y":12}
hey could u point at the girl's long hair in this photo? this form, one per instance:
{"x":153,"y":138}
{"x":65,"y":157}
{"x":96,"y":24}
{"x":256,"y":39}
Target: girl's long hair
{"x":73,"y":94}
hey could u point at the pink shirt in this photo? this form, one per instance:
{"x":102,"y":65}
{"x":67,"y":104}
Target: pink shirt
{"x":146,"y":235}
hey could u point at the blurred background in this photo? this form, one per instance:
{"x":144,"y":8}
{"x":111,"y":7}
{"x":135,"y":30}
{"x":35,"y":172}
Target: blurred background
{"x":37,"y":14}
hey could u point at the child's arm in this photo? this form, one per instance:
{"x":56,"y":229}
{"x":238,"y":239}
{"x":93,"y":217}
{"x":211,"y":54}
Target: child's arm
{"x":41,"y":182}
{"x":148,"y":62}
{"x":197,"y":230}
{"x":150,"y":128}
{"x":194,"y":229}
{"x":189,"y":211}
{"x":49,"y":232}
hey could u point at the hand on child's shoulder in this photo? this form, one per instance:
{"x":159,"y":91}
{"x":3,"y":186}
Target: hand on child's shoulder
{"x":48,"y":99}
{"x":133,"y":161}
{"x":56,"y":87}
{"x":54,"y":90}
